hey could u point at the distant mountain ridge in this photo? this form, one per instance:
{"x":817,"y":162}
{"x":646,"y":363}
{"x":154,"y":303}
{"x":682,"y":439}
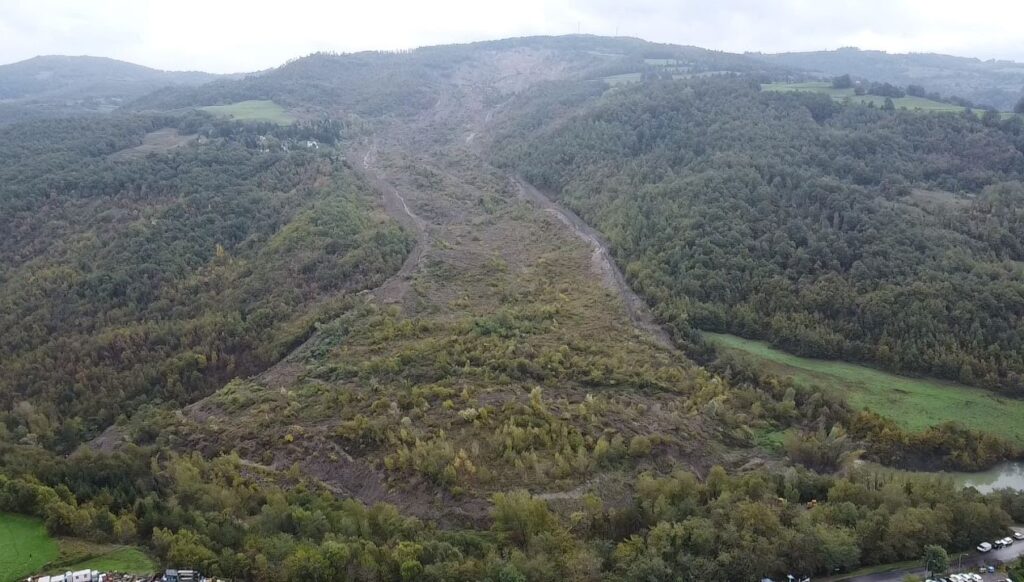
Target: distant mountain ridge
{"x":59,"y":74}
{"x":55,"y":85}
{"x":377,"y":82}
{"x":998,"y":83}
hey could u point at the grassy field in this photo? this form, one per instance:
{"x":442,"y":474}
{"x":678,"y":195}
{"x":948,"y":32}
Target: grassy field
{"x":130,"y":560}
{"x":623,"y":78}
{"x":25,"y":547}
{"x":252,"y":111}
{"x":907,"y":102}
{"x":915,"y":403}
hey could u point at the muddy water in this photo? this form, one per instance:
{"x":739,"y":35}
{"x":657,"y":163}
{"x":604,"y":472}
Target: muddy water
{"x":1003,"y":476}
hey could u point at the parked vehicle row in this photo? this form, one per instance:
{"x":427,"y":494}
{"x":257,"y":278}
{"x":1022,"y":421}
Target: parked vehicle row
{"x":985,"y":547}
{"x":968,"y":576}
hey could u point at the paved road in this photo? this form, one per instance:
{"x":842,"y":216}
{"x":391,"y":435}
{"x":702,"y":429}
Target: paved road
{"x":969,"y":563}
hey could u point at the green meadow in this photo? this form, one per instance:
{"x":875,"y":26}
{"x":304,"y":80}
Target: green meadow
{"x":624,"y":78}
{"x":915,"y":403}
{"x":252,"y":111}
{"x":129,"y":560}
{"x":908,"y":102}
{"x":25,"y":547}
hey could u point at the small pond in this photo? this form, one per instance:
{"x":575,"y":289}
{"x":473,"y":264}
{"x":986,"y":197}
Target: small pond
{"x":1002,"y":476}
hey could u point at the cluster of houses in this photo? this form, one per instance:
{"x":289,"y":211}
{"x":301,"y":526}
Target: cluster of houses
{"x":97,"y":576}
{"x":79,"y":576}
{"x":266,"y":144}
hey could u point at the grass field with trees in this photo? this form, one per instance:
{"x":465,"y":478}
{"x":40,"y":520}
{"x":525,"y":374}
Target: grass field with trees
{"x":26,"y":547}
{"x":841,"y":94}
{"x":914,"y":403}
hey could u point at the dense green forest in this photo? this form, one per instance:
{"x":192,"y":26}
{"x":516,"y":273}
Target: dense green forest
{"x":131,"y":279}
{"x":833,"y":231}
{"x":219,"y":516}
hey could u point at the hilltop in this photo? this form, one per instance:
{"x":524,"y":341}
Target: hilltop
{"x":56,"y":85}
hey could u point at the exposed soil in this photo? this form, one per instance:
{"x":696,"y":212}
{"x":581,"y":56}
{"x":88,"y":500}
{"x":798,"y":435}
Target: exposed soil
{"x":602,"y":263}
{"x":478,"y":230}
{"x":397,"y":286}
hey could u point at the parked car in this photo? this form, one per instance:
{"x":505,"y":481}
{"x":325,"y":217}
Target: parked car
{"x":983,"y":547}
{"x":1018,"y":535}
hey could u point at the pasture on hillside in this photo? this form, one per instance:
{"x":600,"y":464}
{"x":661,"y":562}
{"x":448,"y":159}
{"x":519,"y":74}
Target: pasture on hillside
{"x":908,"y":102}
{"x":120,"y":559}
{"x":254,"y":110}
{"x":25,"y":547}
{"x":914,"y":403}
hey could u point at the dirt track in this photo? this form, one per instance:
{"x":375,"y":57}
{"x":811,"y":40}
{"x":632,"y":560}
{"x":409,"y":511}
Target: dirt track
{"x":396,"y":286}
{"x":601,"y":263}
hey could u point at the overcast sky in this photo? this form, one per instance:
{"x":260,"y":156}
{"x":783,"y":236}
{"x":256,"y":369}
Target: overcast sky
{"x":235,"y":35}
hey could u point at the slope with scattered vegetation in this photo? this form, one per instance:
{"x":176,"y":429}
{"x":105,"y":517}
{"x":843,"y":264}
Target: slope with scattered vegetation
{"x":131,"y":281}
{"x":490,"y":410}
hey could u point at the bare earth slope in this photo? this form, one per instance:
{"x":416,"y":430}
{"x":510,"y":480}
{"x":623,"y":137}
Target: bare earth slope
{"x":507,"y":352}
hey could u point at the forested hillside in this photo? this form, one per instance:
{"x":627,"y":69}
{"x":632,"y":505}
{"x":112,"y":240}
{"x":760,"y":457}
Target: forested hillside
{"x":836,"y":232}
{"x":129,"y":279}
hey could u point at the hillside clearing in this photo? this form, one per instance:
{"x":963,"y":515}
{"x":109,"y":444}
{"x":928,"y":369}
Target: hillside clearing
{"x":25,"y":547}
{"x":915,"y":403}
{"x":908,"y":102}
{"x":254,"y":110}
{"x":155,"y":142}
{"x":128,"y":560}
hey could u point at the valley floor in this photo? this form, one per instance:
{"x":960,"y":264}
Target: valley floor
{"x":914,"y":403}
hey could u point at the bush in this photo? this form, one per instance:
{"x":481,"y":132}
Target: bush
{"x":520,"y":516}
{"x":639,"y":446}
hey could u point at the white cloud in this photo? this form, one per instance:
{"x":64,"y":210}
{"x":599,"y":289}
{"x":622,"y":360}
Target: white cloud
{"x":236,"y":35}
